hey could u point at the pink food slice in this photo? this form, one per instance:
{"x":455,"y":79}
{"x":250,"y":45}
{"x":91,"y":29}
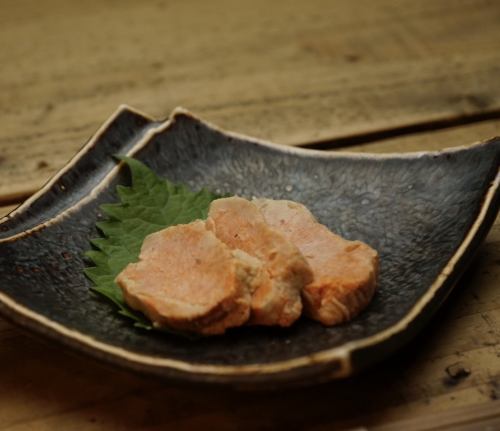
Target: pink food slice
{"x":344,"y":272}
{"x":187,"y":279}
{"x":277,"y":300}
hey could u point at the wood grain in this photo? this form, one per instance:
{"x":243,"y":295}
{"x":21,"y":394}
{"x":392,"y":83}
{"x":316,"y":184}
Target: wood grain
{"x":84,"y":395}
{"x":291,"y":72}
{"x":472,"y":418}
{"x":4,"y":210}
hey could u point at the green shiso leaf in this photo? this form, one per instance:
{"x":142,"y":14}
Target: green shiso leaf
{"x":150,"y":204}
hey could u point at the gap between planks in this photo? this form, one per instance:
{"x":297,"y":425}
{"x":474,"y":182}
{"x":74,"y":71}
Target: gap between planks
{"x":432,"y":126}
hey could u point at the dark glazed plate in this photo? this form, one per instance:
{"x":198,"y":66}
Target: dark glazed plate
{"x":426,"y":213}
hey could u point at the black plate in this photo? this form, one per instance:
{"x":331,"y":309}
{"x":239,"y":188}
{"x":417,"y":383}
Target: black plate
{"x":426,"y":213}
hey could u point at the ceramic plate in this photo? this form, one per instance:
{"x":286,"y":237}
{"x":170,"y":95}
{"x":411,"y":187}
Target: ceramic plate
{"x":426,"y":213}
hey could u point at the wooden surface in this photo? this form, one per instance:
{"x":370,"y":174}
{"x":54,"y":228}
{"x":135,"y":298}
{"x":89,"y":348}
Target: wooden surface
{"x":292,"y":72}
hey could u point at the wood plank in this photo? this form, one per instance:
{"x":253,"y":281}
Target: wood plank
{"x":4,"y":210}
{"x":83,"y":395}
{"x":30,"y":391}
{"x":467,"y":418}
{"x":300,"y":71}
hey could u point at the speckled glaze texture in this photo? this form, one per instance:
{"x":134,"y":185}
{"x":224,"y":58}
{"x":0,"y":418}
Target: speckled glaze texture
{"x":415,"y":210}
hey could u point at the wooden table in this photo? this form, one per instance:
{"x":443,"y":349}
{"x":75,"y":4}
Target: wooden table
{"x":375,"y":76}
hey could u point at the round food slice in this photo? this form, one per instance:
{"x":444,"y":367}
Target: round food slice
{"x":189,"y":280}
{"x":240,"y":225}
{"x":344,"y":272}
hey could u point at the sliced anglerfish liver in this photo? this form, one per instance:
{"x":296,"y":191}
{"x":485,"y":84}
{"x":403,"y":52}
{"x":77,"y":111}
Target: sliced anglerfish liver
{"x":239,"y":224}
{"x":187,"y":279}
{"x":345,"y":272}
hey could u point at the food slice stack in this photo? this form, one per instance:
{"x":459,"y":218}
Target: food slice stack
{"x":251,"y":262}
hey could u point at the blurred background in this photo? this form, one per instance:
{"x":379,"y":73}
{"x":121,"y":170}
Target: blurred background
{"x":292,"y":72}
{"x":385,"y":75}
